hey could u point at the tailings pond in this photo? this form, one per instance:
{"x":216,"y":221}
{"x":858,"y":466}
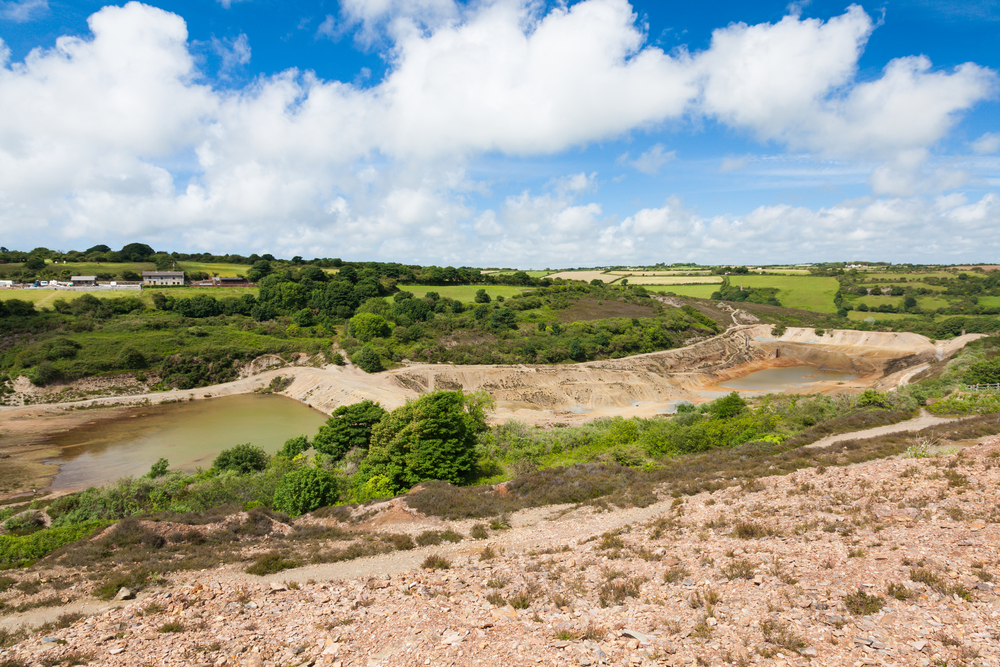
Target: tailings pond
{"x":189,"y":435}
{"x":783,"y":379}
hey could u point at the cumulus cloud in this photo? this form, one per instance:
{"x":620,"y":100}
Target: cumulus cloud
{"x":651,"y":160}
{"x":234,"y":53}
{"x":23,"y":11}
{"x":987,"y":144}
{"x":300,"y":165}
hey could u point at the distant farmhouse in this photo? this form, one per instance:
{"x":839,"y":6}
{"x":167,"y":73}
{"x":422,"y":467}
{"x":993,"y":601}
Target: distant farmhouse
{"x":162,"y":277}
{"x":83,"y":281}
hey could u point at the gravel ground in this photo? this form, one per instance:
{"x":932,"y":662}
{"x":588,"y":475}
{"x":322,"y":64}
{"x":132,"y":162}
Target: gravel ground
{"x":886,"y":563}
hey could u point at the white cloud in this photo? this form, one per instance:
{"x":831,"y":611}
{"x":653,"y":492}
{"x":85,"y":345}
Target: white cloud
{"x":23,"y":11}
{"x":229,"y":3}
{"x":987,"y":144}
{"x":233,"y":52}
{"x":294,"y":164}
{"x":651,"y":161}
{"x":733,"y":164}
{"x":328,"y":29}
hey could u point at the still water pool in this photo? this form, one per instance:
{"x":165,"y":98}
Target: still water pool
{"x":189,"y":435}
{"x":782,"y":379}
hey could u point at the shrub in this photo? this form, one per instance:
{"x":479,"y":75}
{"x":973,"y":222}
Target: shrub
{"x":368,"y":326}
{"x":244,"y":459}
{"x":478,"y":532}
{"x":349,"y":427}
{"x":22,"y":551}
{"x":431,"y":438}
{"x":158,"y":469}
{"x":435,"y":562}
{"x":270,"y":563}
{"x":861,"y":603}
{"x":368,"y":360}
{"x":294,"y":446}
{"x":304,"y":490}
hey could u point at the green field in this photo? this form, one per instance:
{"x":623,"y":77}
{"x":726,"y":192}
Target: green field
{"x":533,"y":274}
{"x":43,"y":298}
{"x":989,"y":301}
{"x":463,"y":293}
{"x":911,"y":276}
{"x":859,"y":316}
{"x":696,"y":291}
{"x":89,"y":268}
{"x":805,"y":292}
{"x":787,"y":272}
{"x":224,"y":270}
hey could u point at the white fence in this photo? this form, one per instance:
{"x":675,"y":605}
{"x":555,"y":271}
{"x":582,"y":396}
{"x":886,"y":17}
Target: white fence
{"x":982,"y":387}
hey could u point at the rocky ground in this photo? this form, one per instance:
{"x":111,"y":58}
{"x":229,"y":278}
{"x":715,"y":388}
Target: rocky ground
{"x":891,"y":562}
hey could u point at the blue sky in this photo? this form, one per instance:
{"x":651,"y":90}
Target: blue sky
{"x":505,"y":133}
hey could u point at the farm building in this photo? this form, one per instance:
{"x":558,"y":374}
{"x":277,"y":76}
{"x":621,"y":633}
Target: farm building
{"x":83,"y":281}
{"x":162,"y":277}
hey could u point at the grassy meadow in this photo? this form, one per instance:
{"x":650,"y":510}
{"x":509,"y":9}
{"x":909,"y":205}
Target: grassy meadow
{"x":463,"y":293}
{"x":44,"y":298}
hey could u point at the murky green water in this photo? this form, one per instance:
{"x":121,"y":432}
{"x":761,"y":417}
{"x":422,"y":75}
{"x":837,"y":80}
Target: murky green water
{"x":782,"y":379}
{"x":189,"y":435}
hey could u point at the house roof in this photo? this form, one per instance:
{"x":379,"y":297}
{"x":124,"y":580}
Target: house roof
{"x":165,"y":274}
{"x":83,"y":278}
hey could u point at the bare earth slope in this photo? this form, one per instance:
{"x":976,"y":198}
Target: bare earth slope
{"x":793,"y":572}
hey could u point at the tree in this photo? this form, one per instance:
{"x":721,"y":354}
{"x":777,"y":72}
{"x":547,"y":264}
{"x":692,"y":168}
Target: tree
{"x":727,"y":406}
{"x":503,"y":318}
{"x":368,"y":326}
{"x":983,"y":372}
{"x":348,"y":428}
{"x":367,"y":359}
{"x":304,"y":490}
{"x":482,"y":296}
{"x":244,"y":459}
{"x":294,"y":446}
{"x":136,"y":252}
{"x":431,"y":438}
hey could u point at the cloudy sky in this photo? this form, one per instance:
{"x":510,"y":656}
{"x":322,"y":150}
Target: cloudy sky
{"x":505,"y":132}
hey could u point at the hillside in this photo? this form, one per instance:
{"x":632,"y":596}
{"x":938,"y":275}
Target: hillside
{"x":886,"y":562}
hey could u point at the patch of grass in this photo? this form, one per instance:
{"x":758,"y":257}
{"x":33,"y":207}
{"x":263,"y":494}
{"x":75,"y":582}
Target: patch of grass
{"x":479,"y":532}
{"x":749,"y":530}
{"x":435,"y":562}
{"x":488,"y":553}
{"x":861,"y":603}
{"x":134,"y":580}
{"x":899,"y":591}
{"x":436,"y":537}
{"x":675,"y":574}
{"x":615,"y":591}
{"x":173,"y":626}
{"x":739,"y":569}
{"x":781,"y":636}
{"x":269,"y":563}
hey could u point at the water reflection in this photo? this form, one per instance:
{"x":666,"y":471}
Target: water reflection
{"x":189,"y":435}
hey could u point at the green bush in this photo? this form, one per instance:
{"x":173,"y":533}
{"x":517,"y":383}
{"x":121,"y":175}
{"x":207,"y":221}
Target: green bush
{"x":25,"y":550}
{"x":368,"y":360}
{"x":244,"y":459}
{"x":983,"y":372}
{"x":294,"y":446}
{"x":431,"y":438}
{"x":368,"y":326}
{"x":304,"y":490}
{"x":349,"y":427}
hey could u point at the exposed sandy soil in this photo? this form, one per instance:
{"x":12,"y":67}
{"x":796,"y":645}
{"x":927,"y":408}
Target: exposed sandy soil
{"x":764,"y":575}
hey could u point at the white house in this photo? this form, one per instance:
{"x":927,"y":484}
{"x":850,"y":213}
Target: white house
{"x":162,"y":277}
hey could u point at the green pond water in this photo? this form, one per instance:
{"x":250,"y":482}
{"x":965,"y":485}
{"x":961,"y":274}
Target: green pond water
{"x":189,"y":435}
{"x":782,"y":379}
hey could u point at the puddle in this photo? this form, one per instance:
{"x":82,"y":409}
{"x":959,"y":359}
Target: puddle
{"x":189,"y":435}
{"x":773,"y":380}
